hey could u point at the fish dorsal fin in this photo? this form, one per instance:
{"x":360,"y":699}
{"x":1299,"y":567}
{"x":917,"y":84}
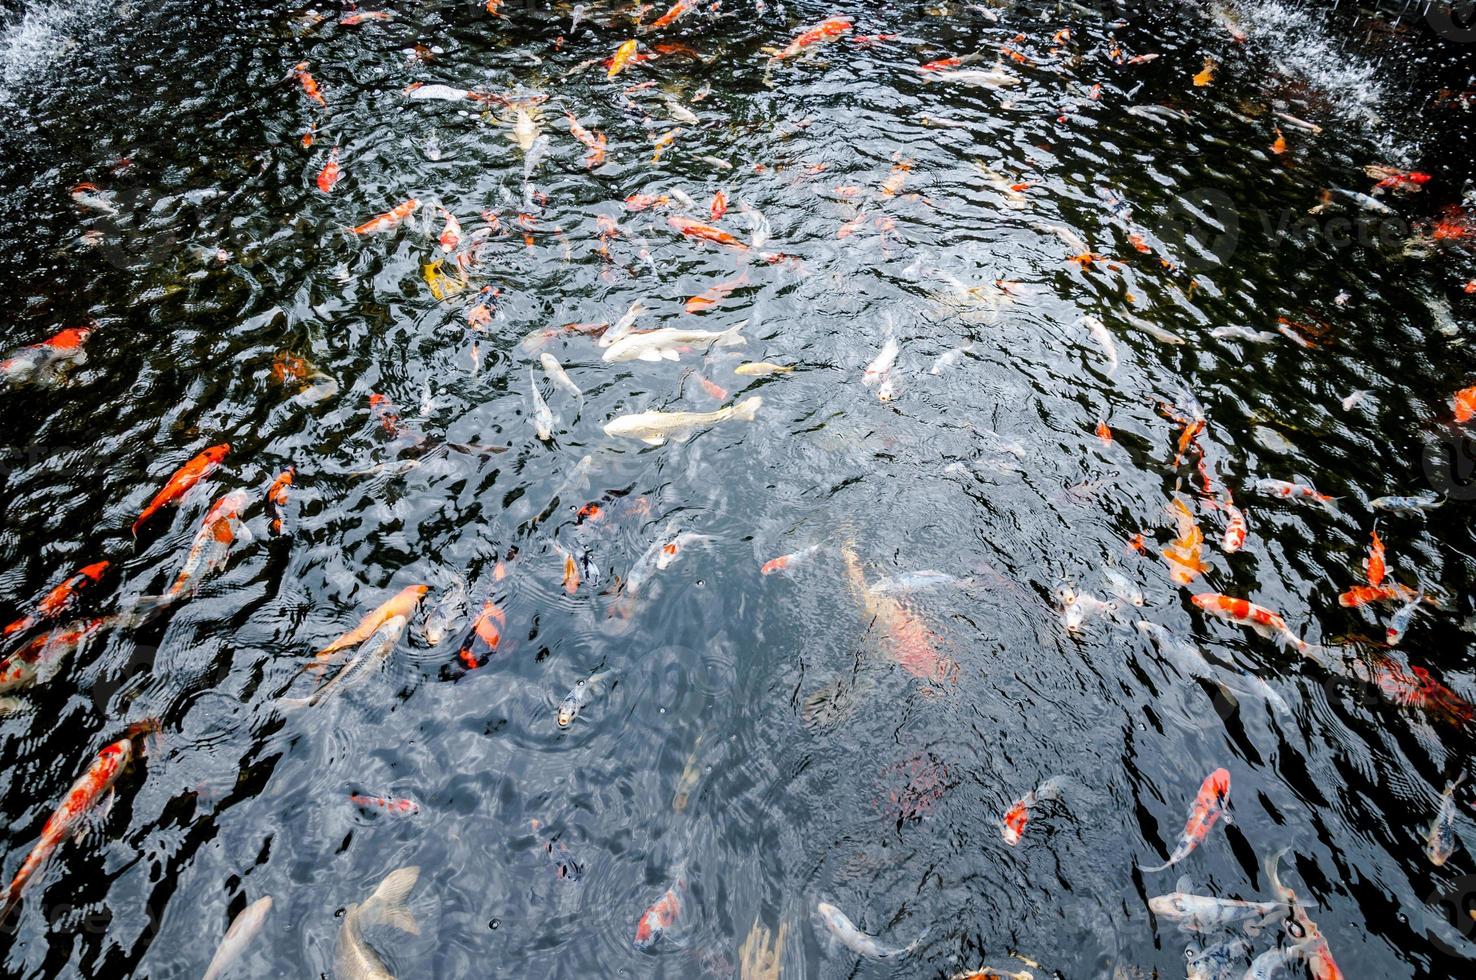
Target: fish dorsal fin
{"x":1185,"y":885}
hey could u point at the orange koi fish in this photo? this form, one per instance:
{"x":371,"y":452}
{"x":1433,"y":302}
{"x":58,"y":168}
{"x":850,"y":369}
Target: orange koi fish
{"x":851,"y":227}
{"x":677,"y":9}
{"x":1465,"y":403}
{"x":1206,"y":74}
{"x":826,"y":30}
{"x":62,"y":346}
{"x":60,"y":598}
{"x":941,"y":64}
{"x":715,"y":294}
{"x":696,"y":229}
{"x":1362,"y":595}
{"x":1012,"y":825}
{"x":384,"y":411}
{"x":659,"y":917}
{"x":594,"y":142}
{"x":182,"y":481}
{"x":1243,"y":612}
{"x":38,"y":659}
{"x":892,"y":186}
{"x":1104,"y":433}
{"x":1375,"y":564}
{"x":487,"y":628}
{"x":640,"y":202}
{"x":1391,"y":179}
{"x":1279,"y":146}
{"x":571,"y":572}
{"x":905,"y":638}
{"x":364,"y":16}
{"x":212,"y":542}
{"x":309,"y":83}
{"x":1291,"y":491}
{"x":1209,"y":805}
{"x":402,"y":604}
{"x":719,"y":205}
{"x":623,"y":54}
{"x":1183,"y":554}
{"x":450,"y":236}
{"x":389,"y":804}
{"x":277,"y":497}
{"x":1312,"y":946}
{"x":1413,"y":687}
{"x":329,"y":176}
{"x":84,"y":796}
{"x":388,"y":220}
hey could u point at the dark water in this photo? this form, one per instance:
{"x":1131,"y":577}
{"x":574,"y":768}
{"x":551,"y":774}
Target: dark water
{"x":816,"y":766}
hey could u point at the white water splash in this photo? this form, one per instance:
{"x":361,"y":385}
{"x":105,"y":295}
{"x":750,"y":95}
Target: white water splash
{"x":32,"y":40}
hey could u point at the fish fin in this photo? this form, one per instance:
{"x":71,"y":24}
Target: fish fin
{"x":670,"y":355}
{"x":733,"y":337}
{"x":747,"y":410}
{"x":1162,"y":867}
{"x":654,"y":440}
{"x":1185,"y":884}
{"x":288,"y":705}
{"x":387,"y":904}
{"x":648,"y":355}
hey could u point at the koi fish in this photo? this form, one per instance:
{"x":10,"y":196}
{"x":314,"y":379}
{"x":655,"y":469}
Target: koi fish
{"x":401,"y":606}
{"x":65,"y":347}
{"x":354,"y":959}
{"x":211,"y":546}
{"x":1243,"y":612}
{"x":1312,"y":948}
{"x":1375,"y":566}
{"x":447,"y":615}
{"x":715,"y":294}
{"x":826,"y":30}
{"x":1362,"y":595}
{"x":1236,"y":528}
{"x":542,"y":418}
{"x":1206,"y":74}
{"x":1103,"y":337}
{"x":1440,"y":842}
{"x":577,"y":697}
{"x":654,"y":428}
{"x":696,"y":229}
{"x":450,"y":236}
{"x":1407,"y":505}
{"x":1202,"y":913}
{"x":238,"y":936}
{"x":623,"y":54}
{"x":1399,"y":622}
{"x":330,"y":175}
{"x":277,"y":497}
{"x":1391,"y":179}
{"x":984,"y":77}
{"x":60,"y":598}
{"x":1012,"y":826}
{"x":846,"y":933}
{"x":93,"y":787}
{"x":654,"y":345}
{"x":659,"y":917}
{"x":1183,"y":553}
{"x":1209,"y":806}
{"x":558,"y":375}
{"x":1415,"y":688}
{"x":759,"y":369}
{"x":1077,"y":608}
{"x":390,"y":219}
{"x":593,"y":142}
{"x":39,"y":659}
{"x":364,"y":16}
{"x":949,"y":358}
{"x":389,"y":804}
{"x":309,"y":83}
{"x":183,"y":480}
{"x":1464,"y":404}
{"x":486,"y":630}
{"x":1290,"y":491}
{"x":369,"y":657}
{"x":677,"y":9}
{"x":719,"y":205}
{"x":786,"y":563}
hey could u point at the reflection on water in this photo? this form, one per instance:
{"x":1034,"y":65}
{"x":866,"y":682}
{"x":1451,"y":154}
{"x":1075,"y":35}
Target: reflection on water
{"x":738,"y":502}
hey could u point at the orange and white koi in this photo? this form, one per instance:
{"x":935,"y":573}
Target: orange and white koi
{"x":1312,"y":947}
{"x":826,"y":30}
{"x":450,"y":236}
{"x":677,"y":9}
{"x":594,"y":142}
{"x":62,"y":347}
{"x":1362,"y":595}
{"x":365,"y":16}
{"x":640,"y":202}
{"x":623,"y":54}
{"x":719,"y":206}
{"x":1012,"y":825}
{"x":211,"y":546}
{"x":401,"y":605}
{"x":60,"y":598}
{"x":905,"y":638}
{"x":789,"y":562}
{"x":1208,"y":807}
{"x":277,"y":497}
{"x":309,"y":83}
{"x":892,"y":186}
{"x":660,"y":916}
{"x":389,"y":804}
{"x":696,"y":229}
{"x":715,"y":294}
{"x":330,"y":175}
{"x":1395,"y":180}
{"x":93,"y":787}
{"x":1183,"y":553}
{"x":182,"y":481}
{"x":39,"y":659}
{"x":1291,"y":491}
{"x":387,"y":221}
{"x":1243,"y":612}
{"x":1236,"y":527}
{"x":487,"y":630}
{"x":1374,"y":565}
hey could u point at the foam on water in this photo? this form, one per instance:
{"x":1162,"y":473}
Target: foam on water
{"x":31,"y":41}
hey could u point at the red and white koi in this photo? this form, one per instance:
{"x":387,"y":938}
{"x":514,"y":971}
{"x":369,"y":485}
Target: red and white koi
{"x":1012,"y":825}
{"x":1209,"y":806}
{"x":65,"y":347}
{"x":1243,"y":612}
{"x":60,"y":597}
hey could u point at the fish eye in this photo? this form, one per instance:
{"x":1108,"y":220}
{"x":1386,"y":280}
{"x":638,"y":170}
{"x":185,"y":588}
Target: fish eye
{"x":1296,"y":930}
{"x":1180,"y":905}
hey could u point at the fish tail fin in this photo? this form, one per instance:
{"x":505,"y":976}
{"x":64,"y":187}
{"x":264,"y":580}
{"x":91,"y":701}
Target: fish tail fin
{"x":288,"y":705}
{"x":1162,"y":867}
{"x":747,"y":410}
{"x":387,"y":904}
{"x":733,"y":337}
